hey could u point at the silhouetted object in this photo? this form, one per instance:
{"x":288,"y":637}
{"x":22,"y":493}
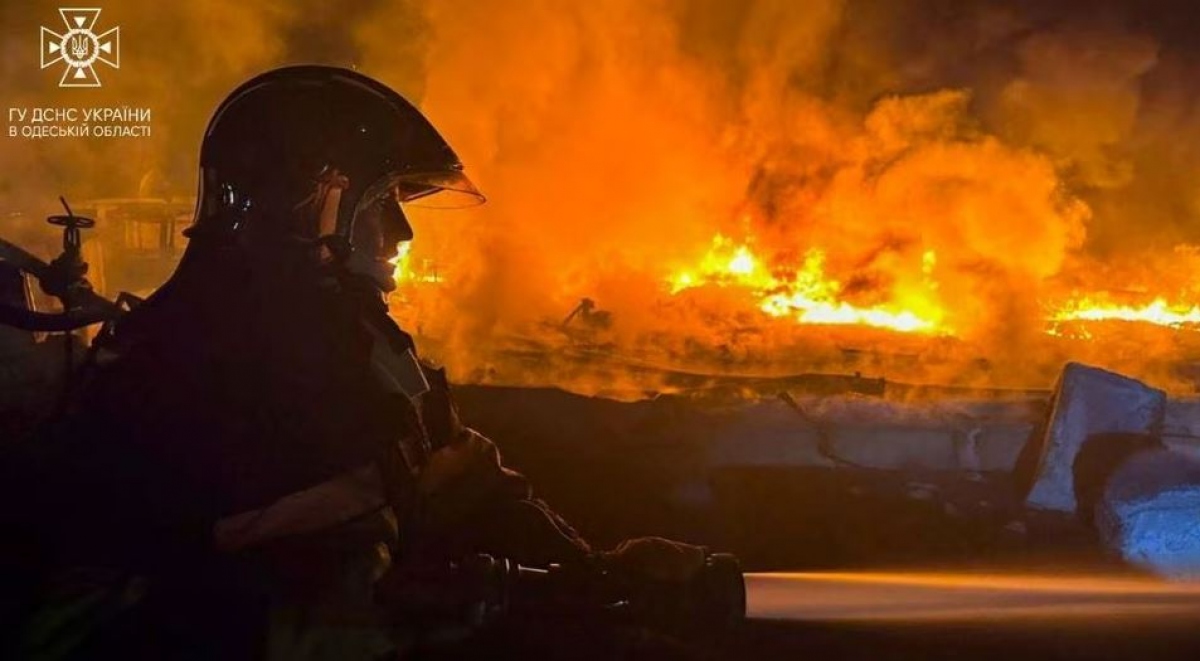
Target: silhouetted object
{"x":259,"y":441}
{"x":589,"y":316}
{"x":63,"y":278}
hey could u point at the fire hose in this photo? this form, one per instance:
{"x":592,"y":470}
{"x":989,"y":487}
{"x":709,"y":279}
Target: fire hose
{"x":482,"y":588}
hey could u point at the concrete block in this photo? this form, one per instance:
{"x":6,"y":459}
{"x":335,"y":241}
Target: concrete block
{"x":1087,"y":401}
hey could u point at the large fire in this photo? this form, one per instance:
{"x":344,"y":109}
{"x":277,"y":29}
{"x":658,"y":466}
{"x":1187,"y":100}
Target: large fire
{"x":805,"y":294}
{"x":810,"y":296}
{"x":754,"y":186}
{"x":786,"y":187}
{"x":744,"y":306}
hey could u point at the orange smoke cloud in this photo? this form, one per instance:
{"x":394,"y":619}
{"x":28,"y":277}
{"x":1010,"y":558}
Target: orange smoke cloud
{"x":613,"y":154}
{"x":970,"y":171}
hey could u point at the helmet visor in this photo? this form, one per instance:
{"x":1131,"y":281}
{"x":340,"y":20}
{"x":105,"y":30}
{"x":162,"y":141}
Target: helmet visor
{"x":447,"y":189}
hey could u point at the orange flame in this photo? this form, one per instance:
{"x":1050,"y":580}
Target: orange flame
{"x":400,"y":262}
{"x":408,"y":270}
{"x":810,"y":296}
{"x":1158,"y":312}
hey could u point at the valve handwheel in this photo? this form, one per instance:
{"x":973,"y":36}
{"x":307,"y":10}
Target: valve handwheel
{"x":72,"y":221}
{"x":71,"y":225}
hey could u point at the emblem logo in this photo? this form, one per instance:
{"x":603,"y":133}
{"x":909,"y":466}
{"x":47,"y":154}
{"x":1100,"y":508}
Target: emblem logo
{"x":80,"y":48}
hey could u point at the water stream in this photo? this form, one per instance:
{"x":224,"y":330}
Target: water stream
{"x":963,"y":597}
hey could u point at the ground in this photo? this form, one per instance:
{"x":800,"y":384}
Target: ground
{"x":618,"y":470}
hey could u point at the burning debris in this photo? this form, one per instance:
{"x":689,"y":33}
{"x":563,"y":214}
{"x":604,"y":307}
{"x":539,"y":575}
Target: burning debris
{"x":808,"y":297}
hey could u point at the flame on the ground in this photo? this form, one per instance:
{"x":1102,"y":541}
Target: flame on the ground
{"x":810,"y":295}
{"x":807,"y":294}
{"x":1158,"y":312}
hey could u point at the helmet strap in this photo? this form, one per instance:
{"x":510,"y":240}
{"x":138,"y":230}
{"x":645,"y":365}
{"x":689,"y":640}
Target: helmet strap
{"x":322,"y":206}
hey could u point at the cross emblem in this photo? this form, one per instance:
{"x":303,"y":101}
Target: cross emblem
{"x":80,"y":48}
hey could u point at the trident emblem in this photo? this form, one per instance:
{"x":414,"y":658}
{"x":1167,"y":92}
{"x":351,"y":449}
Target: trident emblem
{"x":79,"y":48}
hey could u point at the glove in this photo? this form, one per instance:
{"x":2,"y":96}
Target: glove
{"x":656,"y":559}
{"x":463,"y":480}
{"x":472,"y":458}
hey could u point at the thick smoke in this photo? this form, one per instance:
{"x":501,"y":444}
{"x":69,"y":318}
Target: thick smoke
{"x":1033,"y":149}
{"x":616,"y":139}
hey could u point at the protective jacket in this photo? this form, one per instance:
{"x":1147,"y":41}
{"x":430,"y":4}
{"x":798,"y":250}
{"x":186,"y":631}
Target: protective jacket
{"x":242,"y":451}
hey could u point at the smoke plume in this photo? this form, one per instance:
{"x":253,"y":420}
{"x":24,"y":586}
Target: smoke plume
{"x":972,"y":162}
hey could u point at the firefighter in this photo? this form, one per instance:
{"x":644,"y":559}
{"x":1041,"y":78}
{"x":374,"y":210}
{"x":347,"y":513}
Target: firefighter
{"x":259,"y":444}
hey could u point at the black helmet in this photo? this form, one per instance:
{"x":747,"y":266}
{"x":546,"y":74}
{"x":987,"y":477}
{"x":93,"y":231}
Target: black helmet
{"x":281,"y":136}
